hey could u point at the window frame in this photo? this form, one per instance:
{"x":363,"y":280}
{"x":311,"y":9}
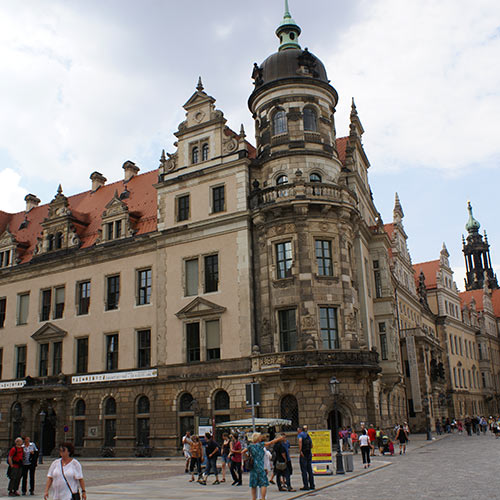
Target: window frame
{"x":21,"y":360}
{"x":144,"y":291}
{"x":333,"y":343}
{"x":43,"y":359}
{"x":279,"y":123}
{"x":83,"y":303}
{"x":3,"y":311}
{"x":143,"y":348}
{"x":58,"y":311}
{"x":205,"y":150}
{"x":182,"y":207}
{"x":218,"y":202}
{"x":288,"y":333}
{"x":112,"y":305}
{"x":193,"y":353}
{"x":45,"y":304}
{"x":82,"y":355}
{"x":310,"y":121}
{"x":326,"y":255}
{"x":211,"y":273}
{"x":20,"y":296}
{"x":281,"y":257}
{"x":57,"y":357}
{"x":112,"y":347}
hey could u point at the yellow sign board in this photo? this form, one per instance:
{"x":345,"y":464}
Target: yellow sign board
{"x":321,"y":452}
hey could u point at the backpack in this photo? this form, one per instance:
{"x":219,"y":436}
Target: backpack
{"x":306,"y":444}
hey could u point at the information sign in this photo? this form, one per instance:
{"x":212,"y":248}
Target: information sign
{"x":322,"y":452}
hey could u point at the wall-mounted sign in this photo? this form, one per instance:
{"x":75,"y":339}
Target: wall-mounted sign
{"x":13,"y":384}
{"x":114,"y":376}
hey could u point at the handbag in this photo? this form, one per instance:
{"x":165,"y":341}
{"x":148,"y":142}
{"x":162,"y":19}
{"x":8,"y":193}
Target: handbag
{"x":281,"y":466}
{"x":74,"y":496}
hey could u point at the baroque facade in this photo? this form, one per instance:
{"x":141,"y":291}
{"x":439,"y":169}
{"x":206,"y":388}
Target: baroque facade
{"x":131,"y":312}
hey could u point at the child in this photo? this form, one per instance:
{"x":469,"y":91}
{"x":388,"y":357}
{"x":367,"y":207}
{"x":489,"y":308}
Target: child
{"x":391,"y":447}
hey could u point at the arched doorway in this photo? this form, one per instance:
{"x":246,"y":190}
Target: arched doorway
{"x":334,"y":424}
{"x":47,"y":423}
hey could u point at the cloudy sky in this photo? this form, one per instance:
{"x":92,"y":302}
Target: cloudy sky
{"x":88,"y":84}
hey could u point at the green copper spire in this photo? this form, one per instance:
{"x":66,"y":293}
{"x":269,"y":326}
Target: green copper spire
{"x":472,"y":225}
{"x":288,"y":31}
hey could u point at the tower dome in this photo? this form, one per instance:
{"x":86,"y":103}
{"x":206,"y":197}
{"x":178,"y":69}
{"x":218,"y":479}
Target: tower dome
{"x":472,"y":225}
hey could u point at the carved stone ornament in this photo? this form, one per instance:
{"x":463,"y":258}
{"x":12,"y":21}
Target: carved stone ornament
{"x":308,"y":322}
{"x":324,"y":227}
{"x":38,"y":246}
{"x":350,"y":323}
{"x":284,"y":283}
{"x":229,"y":144}
{"x":171,"y":163}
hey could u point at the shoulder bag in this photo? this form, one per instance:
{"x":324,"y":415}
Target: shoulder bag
{"x":74,"y":496}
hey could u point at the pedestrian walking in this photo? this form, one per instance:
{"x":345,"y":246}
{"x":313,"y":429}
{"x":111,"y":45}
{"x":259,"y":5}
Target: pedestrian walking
{"x":402,"y":437}
{"x":196,"y":457}
{"x":255,"y":450}
{"x":226,"y":461}
{"x":236,"y":459}
{"x":281,"y":465}
{"x":65,"y":476}
{"x":186,"y":449}
{"x":30,"y":461}
{"x":372,"y":434}
{"x":355,"y":442}
{"x":365,"y":445}
{"x":305,"y":459}
{"x":213,"y":451}
{"x":15,"y":470}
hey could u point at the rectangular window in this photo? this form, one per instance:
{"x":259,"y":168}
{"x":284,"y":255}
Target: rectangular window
{"x":377,"y":279}
{"x":23,"y":301}
{"x":383,"y":346}
{"x":83,"y":297}
{"x":218,"y":201}
{"x":284,"y":260}
{"x":288,"y":330}
{"x":109,"y":231}
{"x":328,"y":325}
{"x":43,"y":364}
{"x":82,"y":355}
{"x":118,"y":228}
{"x":213,"y":339}
{"x":191,"y":267}
{"x":3,"y":310}
{"x":46,"y":305}
{"x":20,"y":361}
{"x":193,"y":342}
{"x":211,"y":273}
{"x":324,"y":257}
{"x":381,"y":327}
{"x":144,"y":284}
{"x":455,"y":376}
{"x":144,"y":348}
{"x":56,"y":358}
{"x":183,"y":208}
{"x":112,"y":352}
{"x":113,"y":292}
{"x":5,"y":258}
{"x":483,"y":378}
{"x":59,"y":305}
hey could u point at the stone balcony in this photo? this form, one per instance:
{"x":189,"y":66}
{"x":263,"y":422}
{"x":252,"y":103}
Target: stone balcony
{"x":320,"y":192}
{"x":354,"y":359}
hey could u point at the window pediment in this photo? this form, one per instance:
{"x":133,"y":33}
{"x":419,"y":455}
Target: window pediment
{"x":116,"y":221}
{"x":49,"y":332}
{"x":200,"y":307}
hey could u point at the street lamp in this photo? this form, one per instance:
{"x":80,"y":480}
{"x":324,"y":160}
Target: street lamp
{"x":42,"y":424}
{"x":427,"y":407}
{"x":334,"y":388}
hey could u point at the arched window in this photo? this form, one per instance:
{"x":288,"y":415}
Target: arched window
{"x":310,"y":122}
{"x":221,"y":401}
{"x":79,"y":422}
{"x":281,"y":179}
{"x":195,"y":155}
{"x":204,"y":152}
{"x":289,"y":409}
{"x":109,"y":422}
{"x":314,"y":177}
{"x":185,"y":402}
{"x":186,"y":415}
{"x":279,"y":123}
{"x":58,"y":241}
{"x":142,"y":427}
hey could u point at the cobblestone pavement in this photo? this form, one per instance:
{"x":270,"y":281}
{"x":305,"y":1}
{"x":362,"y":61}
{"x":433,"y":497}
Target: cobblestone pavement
{"x":457,"y":467}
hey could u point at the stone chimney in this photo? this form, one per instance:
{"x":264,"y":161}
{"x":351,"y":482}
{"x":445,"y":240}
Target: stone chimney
{"x":130,"y":169}
{"x":98,"y":180}
{"x":31,"y":201}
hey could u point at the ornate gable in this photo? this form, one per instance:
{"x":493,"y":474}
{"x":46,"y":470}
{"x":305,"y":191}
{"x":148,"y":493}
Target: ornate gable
{"x":49,"y":332}
{"x":200,"y":307}
{"x":116,"y":221}
{"x":8,"y":245}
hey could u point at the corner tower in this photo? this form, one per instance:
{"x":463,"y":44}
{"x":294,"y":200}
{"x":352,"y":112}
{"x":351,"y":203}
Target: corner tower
{"x":477,"y":256}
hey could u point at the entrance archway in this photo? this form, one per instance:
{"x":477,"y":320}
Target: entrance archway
{"x":48,"y":428}
{"x":332,"y":422}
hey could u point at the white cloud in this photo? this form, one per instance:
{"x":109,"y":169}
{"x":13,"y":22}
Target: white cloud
{"x":426,"y":82}
{"x":11,"y":192}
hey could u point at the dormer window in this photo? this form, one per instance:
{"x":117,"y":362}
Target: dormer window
{"x":310,"y":120}
{"x":279,"y":123}
{"x":204,"y":152}
{"x":58,"y":241}
{"x":117,"y":223}
{"x":113,"y":230}
{"x":281,"y":179}
{"x":195,"y":155}
{"x":5,"y":258}
{"x":50,"y":242}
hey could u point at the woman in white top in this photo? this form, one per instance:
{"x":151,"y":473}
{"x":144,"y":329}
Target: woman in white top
{"x":64,"y":476}
{"x":364,"y":444}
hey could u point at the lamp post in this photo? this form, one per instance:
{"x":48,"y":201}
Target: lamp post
{"x":427,"y":407}
{"x":42,"y":416}
{"x":334,"y":388}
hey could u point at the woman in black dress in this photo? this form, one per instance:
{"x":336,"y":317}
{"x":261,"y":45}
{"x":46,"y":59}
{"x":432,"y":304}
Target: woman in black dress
{"x":402,"y":437}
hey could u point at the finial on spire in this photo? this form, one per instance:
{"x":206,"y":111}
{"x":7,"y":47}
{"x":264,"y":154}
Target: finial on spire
{"x":288,"y":31}
{"x":398,"y":213}
{"x":242,"y":132}
{"x":59,"y":189}
{"x":199,"y":87}
{"x":472,"y":225}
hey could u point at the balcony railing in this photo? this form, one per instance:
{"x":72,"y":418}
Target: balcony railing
{"x":314,"y":191}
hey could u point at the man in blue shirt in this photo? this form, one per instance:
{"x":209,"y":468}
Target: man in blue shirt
{"x":305,"y":460}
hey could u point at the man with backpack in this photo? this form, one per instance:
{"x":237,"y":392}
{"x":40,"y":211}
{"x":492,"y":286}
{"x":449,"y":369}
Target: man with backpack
{"x":305,"y":460}
{"x":15,"y":460}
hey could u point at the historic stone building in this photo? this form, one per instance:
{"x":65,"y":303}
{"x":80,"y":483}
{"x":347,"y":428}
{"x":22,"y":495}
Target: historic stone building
{"x":136,"y":310}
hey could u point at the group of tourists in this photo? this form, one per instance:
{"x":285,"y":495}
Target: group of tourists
{"x":64,"y":478}
{"x":475,"y":425}
{"x":261,"y":458}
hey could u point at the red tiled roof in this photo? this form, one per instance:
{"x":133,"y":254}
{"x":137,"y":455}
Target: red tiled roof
{"x":466,"y":297}
{"x":88,"y":207}
{"x":430,"y":270}
{"x":389,"y":229}
{"x":341,"y":143}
